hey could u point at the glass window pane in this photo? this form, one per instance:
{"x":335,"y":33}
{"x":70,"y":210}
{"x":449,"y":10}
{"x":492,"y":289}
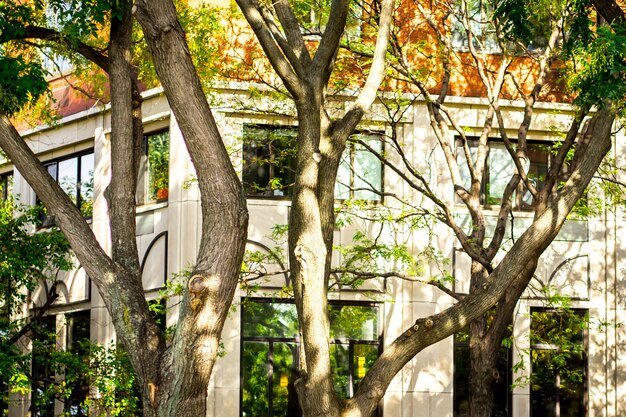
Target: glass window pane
{"x":340,"y":365}
{"x":363,"y":359}
{"x":6,"y":182}
{"x":42,"y":369}
{"x":501,"y":169}
{"x":462,"y":161}
{"x":537,"y":171}
{"x":158,"y":166}
{"x":77,"y":374}
{"x":284,"y":398}
{"x":558,"y":363}
{"x":255,"y":385}
{"x":68,"y":177}
{"x":269,"y":320}
{"x":367,"y":168}
{"x":344,"y":173}
{"x":86,"y":184}
{"x":354,"y":322}
{"x":269,"y":160}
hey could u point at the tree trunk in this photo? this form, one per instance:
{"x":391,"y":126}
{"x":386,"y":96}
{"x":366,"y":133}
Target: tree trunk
{"x":483,"y":374}
{"x":308,"y":259}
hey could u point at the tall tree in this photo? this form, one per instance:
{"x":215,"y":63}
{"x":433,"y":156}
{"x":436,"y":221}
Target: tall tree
{"x":173,"y":378}
{"x":552,"y":202}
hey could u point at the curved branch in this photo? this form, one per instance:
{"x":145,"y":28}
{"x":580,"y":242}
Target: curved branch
{"x":377,"y":71}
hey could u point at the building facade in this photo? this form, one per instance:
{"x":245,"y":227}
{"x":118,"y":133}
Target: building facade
{"x":254,"y":375}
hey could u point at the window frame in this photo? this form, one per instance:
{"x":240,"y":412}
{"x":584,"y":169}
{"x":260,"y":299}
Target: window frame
{"x":270,"y":340}
{"x":6,"y":185}
{"x":351,"y":147}
{"x":142,"y":194}
{"x":46,"y":220}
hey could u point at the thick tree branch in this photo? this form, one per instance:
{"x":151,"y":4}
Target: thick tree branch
{"x":280,"y":63}
{"x":35,"y":32}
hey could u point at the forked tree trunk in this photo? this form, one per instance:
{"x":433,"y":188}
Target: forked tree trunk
{"x":308,"y":261}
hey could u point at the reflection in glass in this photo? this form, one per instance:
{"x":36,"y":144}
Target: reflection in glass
{"x":270,"y":354}
{"x":255,"y":365}
{"x":68,"y":177}
{"x":559,"y":363}
{"x":86,"y":185}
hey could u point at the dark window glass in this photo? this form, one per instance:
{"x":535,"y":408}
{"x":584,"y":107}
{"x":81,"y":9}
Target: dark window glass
{"x":269,"y":163}
{"x":501,"y":387}
{"x":559,"y":363}
{"x":6,"y":186}
{"x":43,"y":375}
{"x":78,"y":339}
{"x":75,"y":176}
{"x":270,"y":354}
{"x":269,"y":159}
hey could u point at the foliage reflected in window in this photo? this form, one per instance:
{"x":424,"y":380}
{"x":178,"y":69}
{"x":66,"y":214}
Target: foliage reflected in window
{"x":270,"y":354}
{"x":501,"y":387}
{"x":500,"y":168}
{"x":43,"y":373}
{"x":269,"y":159}
{"x":78,"y":326}
{"x":360,"y":171}
{"x":153,"y":182}
{"x":75,"y":176}
{"x":269,"y":164}
{"x":559,"y":363}
{"x":6,"y":186}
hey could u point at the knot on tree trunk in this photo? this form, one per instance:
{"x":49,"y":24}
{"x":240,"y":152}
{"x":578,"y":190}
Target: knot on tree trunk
{"x":197,"y":285}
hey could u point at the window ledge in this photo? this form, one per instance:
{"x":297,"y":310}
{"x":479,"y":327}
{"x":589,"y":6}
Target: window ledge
{"x":150,"y":207}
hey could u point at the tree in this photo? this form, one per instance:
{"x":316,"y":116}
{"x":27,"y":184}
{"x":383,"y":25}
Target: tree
{"x":173,"y":376}
{"x":552,"y":203}
{"x":160,"y":368}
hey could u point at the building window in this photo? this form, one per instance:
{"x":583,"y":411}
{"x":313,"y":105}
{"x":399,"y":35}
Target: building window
{"x":153,"y":182}
{"x":78,"y":326}
{"x":75,"y":176}
{"x":360,"y":172}
{"x":43,"y":374}
{"x":500,"y":168}
{"x":6,"y":186}
{"x":501,"y":387}
{"x":481,"y":25}
{"x":269,"y":160}
{"x":559,"y":363}
{"x":269,"y":358}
